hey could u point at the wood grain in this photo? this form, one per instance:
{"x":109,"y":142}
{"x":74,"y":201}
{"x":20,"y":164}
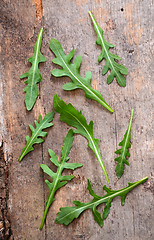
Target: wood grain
{"x":128,"y":25}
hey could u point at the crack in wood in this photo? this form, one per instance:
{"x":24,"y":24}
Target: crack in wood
{"x":5,"y":225}
{"x":116,"y":131}
{"x":45,"y":226}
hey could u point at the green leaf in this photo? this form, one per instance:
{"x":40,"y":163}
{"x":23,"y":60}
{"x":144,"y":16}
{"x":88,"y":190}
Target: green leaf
{"x":97,"y":216}
{"x":124,"y":150}
{"x":72,"y":165}
{"x":72,"y":117}
{"x":107,"y":208}
{"x":71,"y":70}
{"x":57,"y":179}
{"x":54,"y":158}
{"x":117,"y":70}
{"x":91,"y":191}
{"x":37,"y":133}
{"x":68,"y":214}
{"x":33,"y":75}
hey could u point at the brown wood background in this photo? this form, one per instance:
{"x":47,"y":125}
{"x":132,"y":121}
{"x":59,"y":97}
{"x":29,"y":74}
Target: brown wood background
{"x":127,"y":24}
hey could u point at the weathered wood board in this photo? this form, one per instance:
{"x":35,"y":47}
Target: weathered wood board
{"x":127,"y":24}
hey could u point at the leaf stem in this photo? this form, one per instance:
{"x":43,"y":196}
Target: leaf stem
{"x":102,"y":40}
{"x":46,"y":209}
{"x":127,"y":136}
{"x":97,"y":153}
{"x":36,"y":62}
{"x":75,"y":76}
{"x":116,"y":69}
{"x":40,"y":126}
{"x":67,"y":214}
{"x":51,"y":195}
{"x":30,"y":143}
{"x":75,"y":119}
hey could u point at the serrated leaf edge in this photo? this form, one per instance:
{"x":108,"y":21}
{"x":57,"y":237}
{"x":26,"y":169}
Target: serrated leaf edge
{"x":127,"y":136}
{"x":103,"y":103}
{"x":32,"y":138}
{"x":103,"y":199}
{"x":95,"y":24}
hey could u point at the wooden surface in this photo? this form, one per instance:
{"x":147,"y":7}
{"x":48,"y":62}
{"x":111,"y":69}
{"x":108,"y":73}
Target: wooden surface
{"x":128,"y":25}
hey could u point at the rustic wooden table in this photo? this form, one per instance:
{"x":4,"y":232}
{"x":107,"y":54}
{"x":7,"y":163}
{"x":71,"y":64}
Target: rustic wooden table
{"x":127,"y":24}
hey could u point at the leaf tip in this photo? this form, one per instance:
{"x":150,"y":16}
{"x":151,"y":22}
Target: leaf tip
{"x":111,"y":110}
{"x":41,"y":165}
{"x":29,"y":108}
{"x":41,"y":32}
{"x":145,"y":179}
{"x":132,"y":112}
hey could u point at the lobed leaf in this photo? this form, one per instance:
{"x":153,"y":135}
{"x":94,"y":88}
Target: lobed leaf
{"x":97,"y":216}
{"x":68,"y":214}
{"x":58,"y":180}
{"x":37,"y":133}
{"x":72,"y":117}
{"x":33,"y":75}
{"x":71,"y":70}
{"x":117,"y":70}
{"x":124,"y":150}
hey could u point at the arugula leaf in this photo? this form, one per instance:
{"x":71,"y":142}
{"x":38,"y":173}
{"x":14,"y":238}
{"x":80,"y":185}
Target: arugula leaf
{"x":72,"y":117}
{"x":37,"y":133}
{"x":68,"y":214}
{"x":33,"y":75}
{"x":58,"y":179}
{"x":117,"y":70}
{"x":124,"y":150}
{"x":71,"y":70}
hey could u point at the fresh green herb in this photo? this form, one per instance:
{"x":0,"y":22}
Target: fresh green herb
{"x":33,"y":75}
{"x":72,"y":117}
{"x":71,"y":70}
{"x":37,"y":133}
{"x":67,"y":214}
{"x":116,"y":69}
{"x":58,"y":179}
{"x":124,"y":150}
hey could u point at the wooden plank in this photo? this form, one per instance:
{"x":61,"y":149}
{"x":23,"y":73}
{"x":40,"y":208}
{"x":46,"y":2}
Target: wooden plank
{"x":126,"y":24}
{"x":25,"y":193}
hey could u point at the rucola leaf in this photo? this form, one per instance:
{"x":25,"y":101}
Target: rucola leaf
{"x":124,"y":150}
{"x":33,"y":75}
{"x":58,"y":179}
{"x":117,"y":70}
{"x":72,"y":117}
{"x":71,"y":70}
{"x":37,"y":133}
{"x":68,"y":214}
